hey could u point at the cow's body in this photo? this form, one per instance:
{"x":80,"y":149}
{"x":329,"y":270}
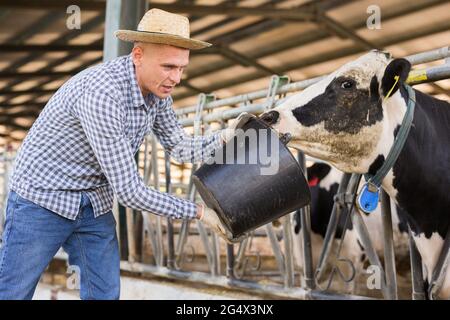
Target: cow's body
{"x":350,"y":120}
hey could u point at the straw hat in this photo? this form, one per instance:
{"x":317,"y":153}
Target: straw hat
{"x":158,"y":26}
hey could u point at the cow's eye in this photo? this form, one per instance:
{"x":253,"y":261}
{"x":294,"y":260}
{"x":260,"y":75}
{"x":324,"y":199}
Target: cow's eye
{"x":347,"y":84}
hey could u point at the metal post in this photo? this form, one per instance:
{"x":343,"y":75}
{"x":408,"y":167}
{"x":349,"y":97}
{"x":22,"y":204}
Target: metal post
{"x":288,"y":249}
{"x":366,"y":242}
{"x":275,"y":247}
{"x":305,"y":222}
{"x":170,"y":240}
{"x":389,"y":254}
{"x":120,"y":14}
{"x":230,"y":261}
{"x":337,"y":211}
{"x":418,"y":288}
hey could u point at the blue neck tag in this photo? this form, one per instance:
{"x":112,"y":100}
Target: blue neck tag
{"x":368,"y":198}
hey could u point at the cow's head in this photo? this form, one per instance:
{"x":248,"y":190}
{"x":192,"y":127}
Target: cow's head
{"x":343,"y":118}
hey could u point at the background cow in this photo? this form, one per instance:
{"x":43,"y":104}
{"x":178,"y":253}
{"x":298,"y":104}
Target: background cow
{"x":324,"y":181}
{"x":349,"y":120}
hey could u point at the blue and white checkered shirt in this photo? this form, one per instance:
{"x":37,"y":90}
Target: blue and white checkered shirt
{"x":85,"y":139}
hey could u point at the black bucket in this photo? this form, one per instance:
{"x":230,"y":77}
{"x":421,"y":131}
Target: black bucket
{"x":248,"y":194}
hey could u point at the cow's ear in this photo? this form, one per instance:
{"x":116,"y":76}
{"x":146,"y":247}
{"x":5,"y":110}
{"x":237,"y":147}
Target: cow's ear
{"x":396,"y":68}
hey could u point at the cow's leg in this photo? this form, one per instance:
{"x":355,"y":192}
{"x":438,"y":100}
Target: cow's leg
{"x":430,"y":249}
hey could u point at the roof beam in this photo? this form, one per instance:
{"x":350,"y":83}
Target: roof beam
{"x":329,"y":56}
{"x":233,"y":11}
{"x":64,"y":38}
{"x":8,"y":123}
{"x":35,"y":27}
{"x":307,"y":38}
{"x":342,"y":31}
{"x":7,"y":47}
{"x":52,"y":4}
{"x":264,"y":25}
{"x":242,"y":59}
{"x":438,"y":89}
{"x":27,"y":91}
{"x":21,"y":104}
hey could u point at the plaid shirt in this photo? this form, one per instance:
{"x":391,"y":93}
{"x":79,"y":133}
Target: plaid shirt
{"x":85,"y":139}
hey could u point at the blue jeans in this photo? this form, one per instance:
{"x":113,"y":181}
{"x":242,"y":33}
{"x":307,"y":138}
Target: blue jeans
{"x":33,"y":235}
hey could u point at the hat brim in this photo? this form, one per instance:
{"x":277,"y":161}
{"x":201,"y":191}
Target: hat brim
{"x":161,"y":38}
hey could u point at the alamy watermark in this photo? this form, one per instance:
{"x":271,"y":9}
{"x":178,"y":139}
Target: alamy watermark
{"x":74,"y":278}
{"x":250,"y":147}
{"x":73,"y":21}
{"x":374,"y":20}
{"x":374,"y":280}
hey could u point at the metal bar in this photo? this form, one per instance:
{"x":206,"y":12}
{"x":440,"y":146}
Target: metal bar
{"x":275,"y":247}
{"x":363,"y":235}
{"x":332,"y":226}
{"x":430,"y":74}
{"x":185,"y":224}
{"x":156,"y":234}
{"x":209,"y":253}
{"x":428,"y":56}
{"x":170,"y":234}
{"x":130,"y":235}
{"x":347,"y":200}
{"x":288,"y":249}
{"x":305,"y":221}
{"x":418,"y":288}
{"x":389,"y":254}
{"x":230,"y":261}
{"x":271,"y":290}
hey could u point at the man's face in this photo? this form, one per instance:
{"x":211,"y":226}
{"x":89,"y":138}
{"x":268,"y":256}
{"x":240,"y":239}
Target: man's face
{"x":159,"y":67}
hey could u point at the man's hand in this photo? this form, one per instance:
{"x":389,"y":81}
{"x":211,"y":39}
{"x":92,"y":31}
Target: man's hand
{"x":228,"y":133}
{"x":211,"y":219}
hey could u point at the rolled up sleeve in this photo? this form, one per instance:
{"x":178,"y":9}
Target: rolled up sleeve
{"x":103,"y":121}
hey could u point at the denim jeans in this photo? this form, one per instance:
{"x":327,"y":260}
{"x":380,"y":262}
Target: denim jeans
{"x":32,"y":236}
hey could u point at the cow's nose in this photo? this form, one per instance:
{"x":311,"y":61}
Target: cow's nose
{"x":270,"y":117}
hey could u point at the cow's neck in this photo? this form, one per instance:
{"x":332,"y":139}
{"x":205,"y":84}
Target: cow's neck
{"x":420,"y":178}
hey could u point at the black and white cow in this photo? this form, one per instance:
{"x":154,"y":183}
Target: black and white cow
{"x":349,"y":120}
{"x":324,"y":182}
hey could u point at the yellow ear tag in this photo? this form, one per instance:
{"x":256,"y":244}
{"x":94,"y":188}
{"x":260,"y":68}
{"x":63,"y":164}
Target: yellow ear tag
{"x":390,"y":91}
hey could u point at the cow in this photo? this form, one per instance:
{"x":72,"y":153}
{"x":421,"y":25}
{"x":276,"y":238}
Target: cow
{"x":323,"y":181}
{"x":350,"y":119}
